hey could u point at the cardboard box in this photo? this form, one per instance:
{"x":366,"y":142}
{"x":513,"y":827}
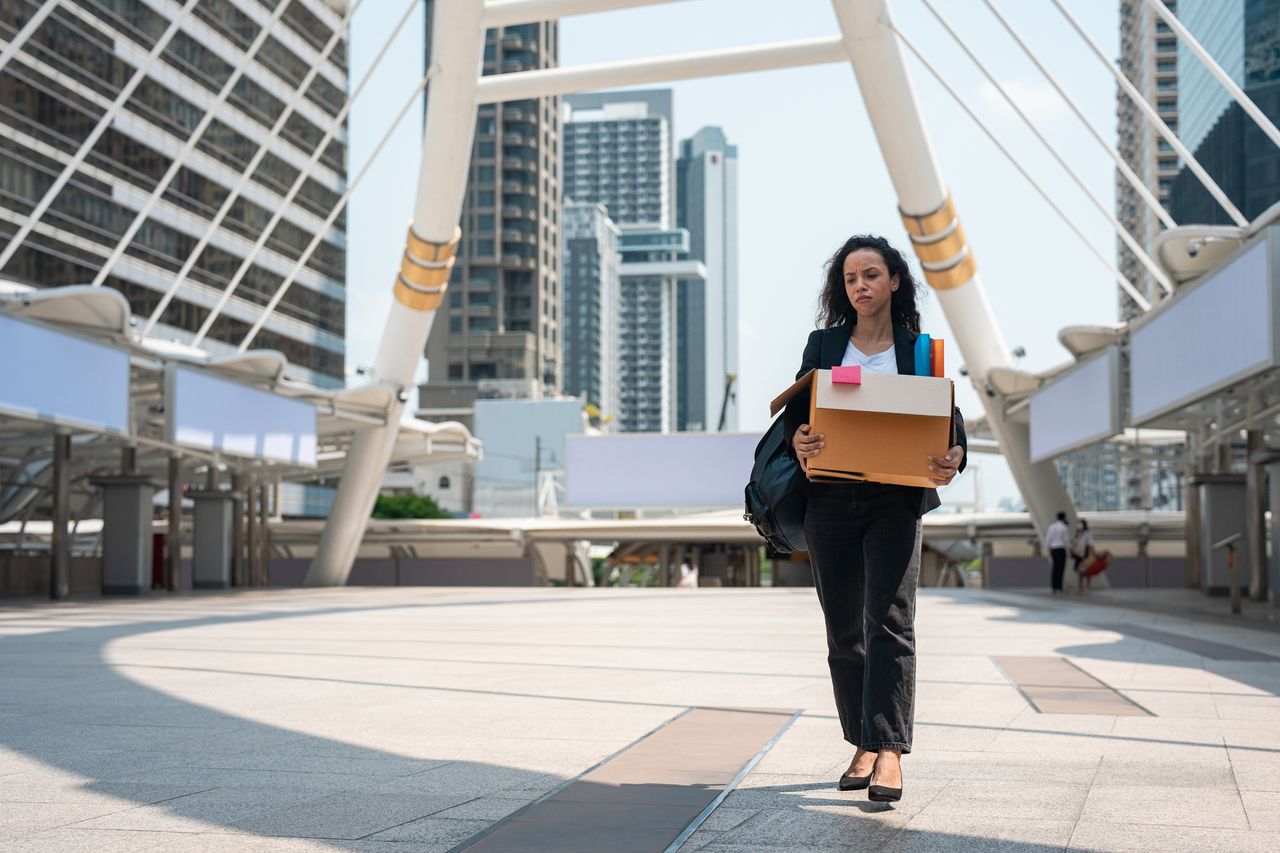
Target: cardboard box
{"x":881,"y":428}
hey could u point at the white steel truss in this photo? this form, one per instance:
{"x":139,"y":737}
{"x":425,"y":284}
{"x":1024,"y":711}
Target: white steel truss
{"x":1154,"y":117}
{"x":716,"y":63}
{"x":333,"y":215}
{"x":867,"y":40}
{"x":1125,"y":284}
{"x":1123,"y":233}
{"x":198,"y":131}
{"x":86,"y":146}
{"x":335,"y":126}
{"x":1138,"y":185}
{"x":28,"y":29}
{"x":1246,"y":103}
{"x":258,"y":156}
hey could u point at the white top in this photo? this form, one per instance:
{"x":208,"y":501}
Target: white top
{"x":1083,"y":543}
{"x":1057,"y":536}
{"x":881,"y":362}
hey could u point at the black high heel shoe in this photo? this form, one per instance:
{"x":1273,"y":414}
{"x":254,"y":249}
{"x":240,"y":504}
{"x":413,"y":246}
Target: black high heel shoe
{"x":854,"y":783}
{"x":882,"y":793}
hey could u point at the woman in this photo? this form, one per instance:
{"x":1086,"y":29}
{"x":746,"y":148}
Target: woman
{"x":1081,"y":548}
{"x":864,"y":538}
{"x":1081,"y":545}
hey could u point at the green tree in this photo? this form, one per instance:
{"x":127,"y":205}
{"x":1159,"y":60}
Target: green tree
{"x":407,"y":506}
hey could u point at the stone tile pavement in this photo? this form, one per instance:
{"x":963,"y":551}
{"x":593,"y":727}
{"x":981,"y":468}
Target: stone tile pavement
{"x":411,"y":719}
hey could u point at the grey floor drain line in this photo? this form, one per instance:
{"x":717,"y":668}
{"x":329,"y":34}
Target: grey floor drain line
{"x":474,"y":839}
{"x":649,"y":796}
{"x":728,"y":789}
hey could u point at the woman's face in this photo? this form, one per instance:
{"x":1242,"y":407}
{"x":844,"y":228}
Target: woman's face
{"x":867,"y":282}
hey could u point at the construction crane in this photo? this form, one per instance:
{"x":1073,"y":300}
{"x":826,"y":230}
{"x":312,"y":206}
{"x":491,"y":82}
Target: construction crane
{"x":729,"y":379}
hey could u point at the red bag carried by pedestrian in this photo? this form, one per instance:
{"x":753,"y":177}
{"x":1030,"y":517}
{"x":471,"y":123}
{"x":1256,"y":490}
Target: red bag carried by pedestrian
{"x":1096,"y":563}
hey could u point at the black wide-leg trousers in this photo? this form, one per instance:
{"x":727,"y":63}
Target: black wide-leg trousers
{"x":864,"y":547}
{"x":1059,"y":559}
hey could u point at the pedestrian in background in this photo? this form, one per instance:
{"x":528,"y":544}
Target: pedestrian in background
{"x":1056,"y":540}
{"x":1081,"y":545}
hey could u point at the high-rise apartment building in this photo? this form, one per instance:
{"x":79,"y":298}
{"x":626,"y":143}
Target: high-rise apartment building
{"x":592,"y":303}
{"x":655,"y":270}
{"x":618,"y":148}
{"x":1243,"y":36}
{"x":707,"y":333}
{"x":57,"y":90}
{"x":499,"y":335}
{"x":1149,"y":59}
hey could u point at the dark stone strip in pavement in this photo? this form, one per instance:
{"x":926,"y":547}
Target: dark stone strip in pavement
{"x":1195,"y":645}
{"x":648,"y":796}
{"x":1054,"y":685}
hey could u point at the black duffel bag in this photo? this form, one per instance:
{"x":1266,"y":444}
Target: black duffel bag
{"x":777,"y":493}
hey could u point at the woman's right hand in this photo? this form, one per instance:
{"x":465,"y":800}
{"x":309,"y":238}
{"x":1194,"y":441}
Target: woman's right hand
{"x":807,"y":446}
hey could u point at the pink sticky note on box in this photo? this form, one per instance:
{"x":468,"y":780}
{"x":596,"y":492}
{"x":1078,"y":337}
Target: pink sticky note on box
{"x":848,"y":375}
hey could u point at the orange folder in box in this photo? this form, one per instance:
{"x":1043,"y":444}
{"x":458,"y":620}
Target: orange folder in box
{"x":935,"y":357}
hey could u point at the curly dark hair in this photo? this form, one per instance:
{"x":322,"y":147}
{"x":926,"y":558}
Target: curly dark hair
{"x":834,"y":308}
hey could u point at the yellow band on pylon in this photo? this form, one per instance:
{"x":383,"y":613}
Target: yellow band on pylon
{"x":425,"y":250}
{"x":419,"y":298}
{"x":930,"y":223}
{"x":942,"y":249}
{"x":424,"y":271}
{"x":940,"y":244}
{"x":425,"y":275}
{"x":953,"y":276}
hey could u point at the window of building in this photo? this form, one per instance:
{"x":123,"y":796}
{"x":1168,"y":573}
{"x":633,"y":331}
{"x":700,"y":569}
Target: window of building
{"x":455,"y":371}
{"x":480,"y":324}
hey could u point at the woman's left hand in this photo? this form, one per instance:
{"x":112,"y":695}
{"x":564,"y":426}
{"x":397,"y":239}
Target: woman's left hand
{"x":946,"y":467}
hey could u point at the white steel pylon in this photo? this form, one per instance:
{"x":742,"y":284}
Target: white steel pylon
{"x":457,"y":51}
{"x":927,"y":210}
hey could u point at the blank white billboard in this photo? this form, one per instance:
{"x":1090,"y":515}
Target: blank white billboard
{"x":211,"y":413}
{"x":670,"y":470}
{"x":1078,"y":408}
{"x":48,"y":375}
{"x":1215,"y":334}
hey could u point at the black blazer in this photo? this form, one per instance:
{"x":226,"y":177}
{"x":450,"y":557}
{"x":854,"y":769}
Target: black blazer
{"x":824,"y":350}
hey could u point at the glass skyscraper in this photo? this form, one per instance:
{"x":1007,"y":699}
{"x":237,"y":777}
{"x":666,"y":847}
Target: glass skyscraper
{"x":1244,"y":37}
{"x":58,"y":89}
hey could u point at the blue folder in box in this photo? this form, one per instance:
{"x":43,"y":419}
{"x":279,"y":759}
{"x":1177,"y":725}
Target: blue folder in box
{"x":924,"y":366}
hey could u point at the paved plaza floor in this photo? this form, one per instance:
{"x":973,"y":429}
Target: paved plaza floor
{"x":420,"y":719}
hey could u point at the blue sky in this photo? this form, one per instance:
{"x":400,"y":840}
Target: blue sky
{"x":810,"y":172}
